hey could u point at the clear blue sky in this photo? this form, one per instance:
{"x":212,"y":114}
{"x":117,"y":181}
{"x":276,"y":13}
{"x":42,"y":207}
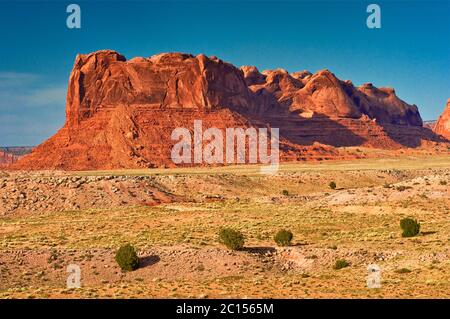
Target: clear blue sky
{"x":411,"y":52}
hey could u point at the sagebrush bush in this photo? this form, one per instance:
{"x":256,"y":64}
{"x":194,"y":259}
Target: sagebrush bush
{"x":332,"y":185}
{"x":127,"y":258}
{"x":285,"y":192}
{"x":231,"y":238}
{"x":341,"y":263}
{"x":283,"y":237}
{"x":410,"y":227}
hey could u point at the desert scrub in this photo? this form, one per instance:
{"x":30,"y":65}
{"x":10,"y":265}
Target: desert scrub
{"x":53,"y":256}
{"x":127,"y":258}
{"x":231,"y":238}
{"x":285,"y":192}
{"x":283,"y":237}
{"x":341,"y":263}
{"x":410,"y":227}
{"x":332,"y":185}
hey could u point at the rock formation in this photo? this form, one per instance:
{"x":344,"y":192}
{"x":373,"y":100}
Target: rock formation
{"x":120,"y":114}
{"x":442,"y":125}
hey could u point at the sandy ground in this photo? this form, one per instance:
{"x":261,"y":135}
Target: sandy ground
{"x":50,"y":220}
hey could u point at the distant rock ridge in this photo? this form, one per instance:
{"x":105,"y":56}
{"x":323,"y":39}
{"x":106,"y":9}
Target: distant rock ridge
{"x":7,"y":158}
{"x":17,"y":150}
{"x":120,"y":113}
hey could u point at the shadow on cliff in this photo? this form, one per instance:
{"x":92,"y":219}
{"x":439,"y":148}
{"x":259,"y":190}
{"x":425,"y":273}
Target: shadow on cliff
{"x":411,"y":136}
{"x":325,"y":130}
{"x":307,"y":131}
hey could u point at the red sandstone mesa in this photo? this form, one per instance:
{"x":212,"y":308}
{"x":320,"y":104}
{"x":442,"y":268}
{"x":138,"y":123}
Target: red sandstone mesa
{"x":120,"y":114}
{"x":442,"y":125}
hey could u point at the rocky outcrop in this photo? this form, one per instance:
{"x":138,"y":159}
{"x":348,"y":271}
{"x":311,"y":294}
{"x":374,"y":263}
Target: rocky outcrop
{"x":37,"y":193}
{"x":442,"y":125}
{"x":120,"y":113}
{"x":383,"y":105}
{"x":169,"y":81}
{"x":324,"y":94}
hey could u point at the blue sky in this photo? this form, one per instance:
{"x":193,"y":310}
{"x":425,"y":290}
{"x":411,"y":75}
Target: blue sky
{"x":411,"y":52}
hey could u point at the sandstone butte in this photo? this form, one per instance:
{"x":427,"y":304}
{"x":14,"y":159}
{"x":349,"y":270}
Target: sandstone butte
{"x":120,"y":114}
{"x":442,"y":125}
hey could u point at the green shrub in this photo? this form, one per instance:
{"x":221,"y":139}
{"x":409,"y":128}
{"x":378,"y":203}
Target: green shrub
{"x":285,"y":192}
{"x":283,"y":237}
{"x":127,"y":258}
{"x":410,"y":227}
{"x":332,"y":185}
{"x":341,"y":263}
{"x":231,"y":238}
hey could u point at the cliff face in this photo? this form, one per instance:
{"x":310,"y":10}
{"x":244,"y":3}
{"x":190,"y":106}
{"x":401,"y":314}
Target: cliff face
{"x":170,"y":81}
{"x":176,"y":81}
{"x":324,"y":94}
{"x":442,"y":125}
{"x":120,"y":114}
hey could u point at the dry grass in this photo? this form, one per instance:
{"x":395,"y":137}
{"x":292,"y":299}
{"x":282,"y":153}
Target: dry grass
{"x":358,"y":222}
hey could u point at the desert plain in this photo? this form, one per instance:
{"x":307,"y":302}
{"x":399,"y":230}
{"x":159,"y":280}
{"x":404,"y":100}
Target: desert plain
{"x":51,"y":219}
